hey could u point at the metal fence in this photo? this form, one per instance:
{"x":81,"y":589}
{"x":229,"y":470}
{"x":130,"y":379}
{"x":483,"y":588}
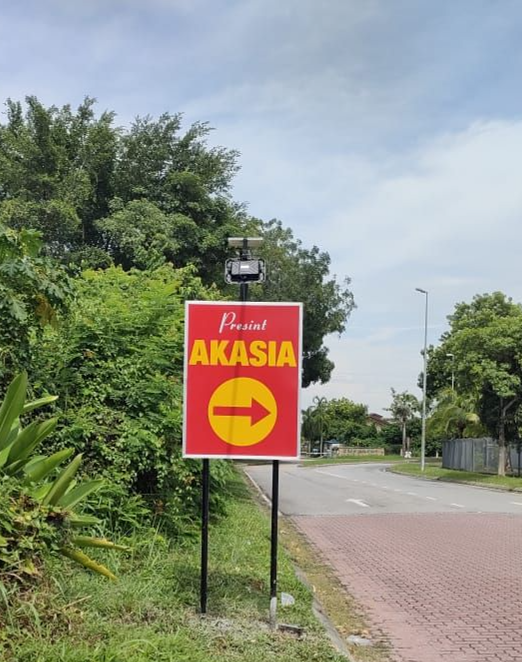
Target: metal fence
{"x":479,"y":455}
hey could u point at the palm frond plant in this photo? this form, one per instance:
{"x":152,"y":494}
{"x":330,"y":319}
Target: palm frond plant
{"x":41,"y":511}
{"x":455,"y":416}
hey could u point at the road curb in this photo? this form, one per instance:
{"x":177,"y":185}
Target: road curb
{"x":317,"y":608}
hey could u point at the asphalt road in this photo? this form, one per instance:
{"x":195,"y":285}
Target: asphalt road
{"x":435,"y":566}
{"x":354,"y":489}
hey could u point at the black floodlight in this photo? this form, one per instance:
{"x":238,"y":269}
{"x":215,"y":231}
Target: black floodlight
{"x":245,"y":268}
{"x":238,"y":270}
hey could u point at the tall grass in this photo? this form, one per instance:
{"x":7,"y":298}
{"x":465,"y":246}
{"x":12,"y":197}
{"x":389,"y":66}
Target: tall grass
{"x":150,"y":614}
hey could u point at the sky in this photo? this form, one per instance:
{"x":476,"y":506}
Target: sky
{"x":388,"y":133}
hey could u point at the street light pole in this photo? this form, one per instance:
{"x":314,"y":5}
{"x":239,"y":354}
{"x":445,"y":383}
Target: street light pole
{"x":423,"y":437}
{"x":320,"y":402}
{"x":452,"y":357}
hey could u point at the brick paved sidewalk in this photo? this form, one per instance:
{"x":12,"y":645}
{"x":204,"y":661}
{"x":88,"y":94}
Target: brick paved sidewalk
{"x":441,"y":587}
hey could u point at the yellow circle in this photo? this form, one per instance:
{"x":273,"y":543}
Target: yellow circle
{"x":242,"y":411}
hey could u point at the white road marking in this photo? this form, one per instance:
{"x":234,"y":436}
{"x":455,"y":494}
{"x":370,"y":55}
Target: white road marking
{"x":411,"y":493}
{"x":329,"y":473}
{"x":431,"y":498}
{"x":358,"y":502}
{"x":457,"y":505}
{"x":516,"y":503}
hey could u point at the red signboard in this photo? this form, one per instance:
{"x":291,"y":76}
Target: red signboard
{"x":242,"y":380}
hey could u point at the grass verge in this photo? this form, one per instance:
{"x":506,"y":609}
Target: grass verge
{"x":454,"y":476}
{"x":352,"y":459}
{"x":150,"y":613}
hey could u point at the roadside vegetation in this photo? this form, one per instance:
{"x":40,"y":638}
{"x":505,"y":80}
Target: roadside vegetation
{"x":455,"y":476}
{"x":352,"y":459}
{"x":105,"y":232}
{"x":150,"y":614}
{"x":474,"y":390}
{"x":480,"y":356}
{"x":345,"y":422}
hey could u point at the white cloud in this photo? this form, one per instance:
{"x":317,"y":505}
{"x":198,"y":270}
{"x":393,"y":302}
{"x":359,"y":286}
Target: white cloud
{"x":462,"y":190}
{"x":365,"y":371}
{"x":449,"y":222}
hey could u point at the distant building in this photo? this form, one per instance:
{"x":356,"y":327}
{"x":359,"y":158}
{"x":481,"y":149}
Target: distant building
{"x":378,"y":421}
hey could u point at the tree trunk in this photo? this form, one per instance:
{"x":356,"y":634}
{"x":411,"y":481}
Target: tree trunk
{"x":404,"y":449}
{"x":502,"y":448}
{"x":501,"y":451}
{"x":461,"y":426}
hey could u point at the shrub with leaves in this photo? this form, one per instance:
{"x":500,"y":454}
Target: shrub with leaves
{"x":117,"y":364}
{"x":32,"y":290}
{"x":41,"y":496}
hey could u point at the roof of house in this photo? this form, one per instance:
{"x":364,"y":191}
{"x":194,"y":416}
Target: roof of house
{"x":377,"y":418}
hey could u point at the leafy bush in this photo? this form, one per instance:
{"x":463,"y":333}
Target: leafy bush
{"x":116,"y":362}
{"x":433,"y":446}
{"x":32,"y":290}
{"x":27,"y":530}
{"x":391,"y":435}
{"x":366,"y":442}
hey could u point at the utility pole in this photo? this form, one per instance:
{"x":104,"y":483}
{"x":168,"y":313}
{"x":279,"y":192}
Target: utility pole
{"x":425,"y":376}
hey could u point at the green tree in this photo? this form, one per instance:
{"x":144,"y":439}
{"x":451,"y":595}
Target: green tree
{"x":404,"y":408}
{"x":296,"y":273}
{"x":485,"y":338}
{"x":347,"y":421}
{"x":188,"y":182}
{"x":139,"y":235}
{"x":454,"y":416}
{"x":65,"y":172}
{"x":390,"y":436}
{"x":56,"y":170}
{"x":310,"y":429}
{"x":339,"y":419}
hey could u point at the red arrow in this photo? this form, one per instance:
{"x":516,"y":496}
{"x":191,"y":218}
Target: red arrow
{"x":256,"y":411}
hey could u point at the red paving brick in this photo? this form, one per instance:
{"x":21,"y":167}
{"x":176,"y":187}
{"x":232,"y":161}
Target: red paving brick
{"x":440,"y":587}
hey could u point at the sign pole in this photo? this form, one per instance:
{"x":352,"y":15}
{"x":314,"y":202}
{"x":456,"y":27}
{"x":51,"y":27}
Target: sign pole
{"x":273,"y":544}
{"x":243,"y":296}
{"x":205,"y":491}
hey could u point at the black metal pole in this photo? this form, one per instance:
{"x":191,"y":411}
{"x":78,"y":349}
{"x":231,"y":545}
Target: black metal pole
{"x":205,"y":491}
{"x":273,"y":543}
{"x":243,"y":296}
{"x":243,"y":291}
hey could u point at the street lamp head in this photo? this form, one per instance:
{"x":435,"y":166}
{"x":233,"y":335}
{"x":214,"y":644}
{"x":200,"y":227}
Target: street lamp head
{"x":450,"y":356}
{"x":419,"y":289}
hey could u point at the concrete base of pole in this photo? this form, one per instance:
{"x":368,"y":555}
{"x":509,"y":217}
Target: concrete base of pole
{"x":273,"y":613}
